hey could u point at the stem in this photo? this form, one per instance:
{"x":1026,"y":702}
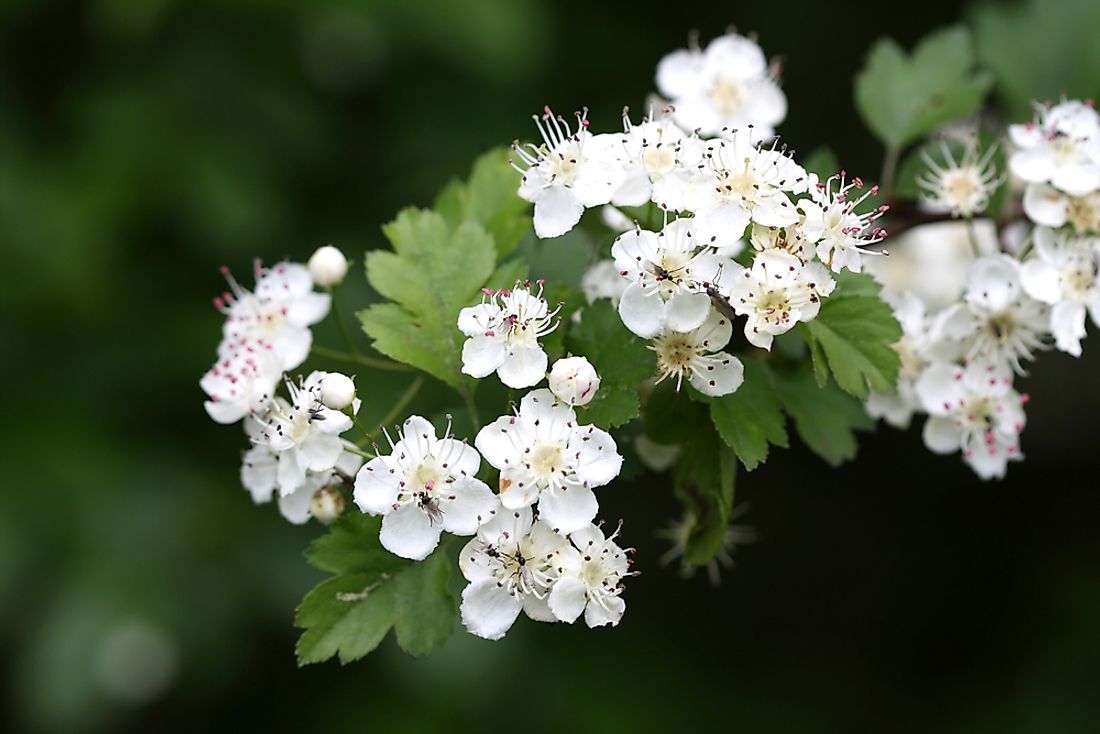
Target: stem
{"x":341,"y":326}
{"x":358,"y":450}
{"x":889,"y":170}
{"x":381,"y":364}
{"x":972,"y":231}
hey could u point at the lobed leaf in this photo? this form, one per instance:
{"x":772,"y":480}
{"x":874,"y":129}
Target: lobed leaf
{"x":751,"y":419}
{"x":825,"y":418}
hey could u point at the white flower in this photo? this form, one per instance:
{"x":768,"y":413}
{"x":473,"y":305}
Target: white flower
{"x":697,"y":355}
{"x":260,"y":476}
{"x":424,"y":486}
{"x":574,"y":380}
{"x":568,"y":172}
{"x":302,"y":433}
{"x":962,"y":187}
{"x":328,"y":266}
{"x":1050,"y":207}
{"x":544,"y":456}
{"x":790,"y":239}
{"x":660,"y":160}
{"x":602,"y":280}
{"x":241,"y":382}
{"x":727,"y":85}
{"x":337,"y":391}
{"x":830,"y":221}
{"x":1063,"y":272}
{"x":278,"y":313}
{"x":597,"y":586}
{"x":778,"y":292}
{"x":897,"y":408}
{"x":975,"y":409}
{"x":997,"y":320}
{"x":512,"y":564}
{"x":739,"y":182}
{"x":1061,"y":147}
{"x":665,"y":273}
{"x":503,"y":335}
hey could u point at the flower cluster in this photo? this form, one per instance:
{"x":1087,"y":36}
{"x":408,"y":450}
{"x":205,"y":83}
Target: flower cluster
{"x":681,"y":286}
{"x":964,"y":345}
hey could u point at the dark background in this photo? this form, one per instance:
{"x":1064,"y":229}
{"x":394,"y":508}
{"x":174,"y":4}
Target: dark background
{"x":144,"y":144}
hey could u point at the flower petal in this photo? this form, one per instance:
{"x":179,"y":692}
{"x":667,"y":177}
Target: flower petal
{"x":488,"y":609}
{"x":567,"y":599}
{"x":409,"y":532}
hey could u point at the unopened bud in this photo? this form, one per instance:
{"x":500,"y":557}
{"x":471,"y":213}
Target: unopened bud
{"x":337,"y":391}
{"x":327,"y":505}
{"x":574,"y":380}
{"x":328,"y":266}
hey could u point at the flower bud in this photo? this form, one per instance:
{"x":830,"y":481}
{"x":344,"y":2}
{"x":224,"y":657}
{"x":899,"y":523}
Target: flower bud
{"x":327,"y":505}
{"x":337,"y":391}
{"x":328,"y":266}
{"x":574,"y":380}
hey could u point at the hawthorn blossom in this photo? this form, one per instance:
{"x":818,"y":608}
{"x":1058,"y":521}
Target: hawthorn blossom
{"x":568,"y":172}
{"x":973,"y":409}
{"x":302,"y":433}
{"x":602,"y":280}
{"x":789,"y":239}
{"x":728,"y":85}
{"x":595,"y":589}
{"x":277,"y":314}
{"x":328,"y":266}
{"x":665,"y":272}
{"x":544,"y":456}
{"x":260,"y":476}
{"x":503,"y":332}
{"x":698,"y":355}
{"x":1062,"y":271}
{"x":996,"y":320}
{"x":512,"y":564}
{"x":241,"y":382}
{"x":739,"y":182}
{"x":776,"y":293}
{"x":961,"y":187}
{"x":660,"y":160}
{"x":831,"y":223}
{"x":1046,"y":205}
{"x":897,"y":408}
{"x":573,"y":380}
{"x":425,"y":485}
{"x":1060,"y":147}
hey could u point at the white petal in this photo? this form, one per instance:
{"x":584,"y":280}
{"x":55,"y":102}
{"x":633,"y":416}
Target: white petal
{"x":1078,"y":179}
{"x":1067,"y":323}
{"x":1045,"y":205}
{"x":226,"y":411}
{"x":1041,"y":281}
{"x":942,"y":435}
{"x":568,"y":508}
{"x":679,"y":73}
{"x":321,"y":451}
{"x":523,"y":367}
{"x":488,"y":610}
{"x":1034,"y":166}
{"x":409,"y":532}
{"x":940,"y":388}
{"x":292,"y":344}
{"x":308,"y":309}
{"x":556,"y":211}
{"x":687,"y":311}
{"x":567,"y":599}
{"x":537,"y":609}
{"x":376,"y":487}
{"x":722,"y":374}
{"x":473,"y":561}
{"x":292,"y":471}
{"x":461,"y":458}
{"x":641,"y":313}
{"x":295,"y":507}
{"x":476,"y":320}
{"x":473,"y":505}
{"x":517,"y":488}
{"x":723,"y":226}
{"x":596,"y":616}
{"x":259,"y":471}
{"x":499,"y":442}
{"x":481,"y":355}
{"x":599,"y":461}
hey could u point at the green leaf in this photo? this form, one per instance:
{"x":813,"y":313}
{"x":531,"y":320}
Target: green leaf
{"x":506,"y":274}
{"x":671,"y":416}
{"x":434,"y":272}
{"x":349,"y":614}
{"x":703,"y":479}
{"x":824,"y":417}
{"x":620,"y":357}
{"x":751,"y":419}
{"x":855,"y":331}
{"x":489,"y":198}
{"x":613,"y":406}
{"x":901,"y":97}
{"x":823,"y":162}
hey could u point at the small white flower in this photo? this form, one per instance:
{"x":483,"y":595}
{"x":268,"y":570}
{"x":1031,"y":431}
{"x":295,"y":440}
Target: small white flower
{"x":975,"y":409}
{"x":778,"y":292}
{"x":1063,"y":273}
{"x":997,"y":320}
{"x":503,"y":332}
{"x":666,"y":272}
{"x":512,"y":565}
{"x":1050,"y":207}
{"x":260,"y":476}
{"x":544,"y":456}
{"x":424,"y":486}
{"x":728,"y":85}
{"x":328,"y":266}
{"x":660,"y":160}
{"x":739,"y":182}
{"x":337,"y":391}
{"x":1061,"y":147}
{"x":278,"y":313}
{"x":698,"y":355}
{"x":568,"y":172}
{"x":830,"y":221}
{"x":241,"y":382}
{"x":303,"y":434}
{"x":602,"y":280}
{"x":596,"y":587}
{"x":574,"y":380}
{"x":962,"y":187}
{"x":789,"y":239}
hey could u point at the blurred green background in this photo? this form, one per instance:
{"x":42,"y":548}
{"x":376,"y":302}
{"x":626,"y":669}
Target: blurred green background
{"x":143,"y":144}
